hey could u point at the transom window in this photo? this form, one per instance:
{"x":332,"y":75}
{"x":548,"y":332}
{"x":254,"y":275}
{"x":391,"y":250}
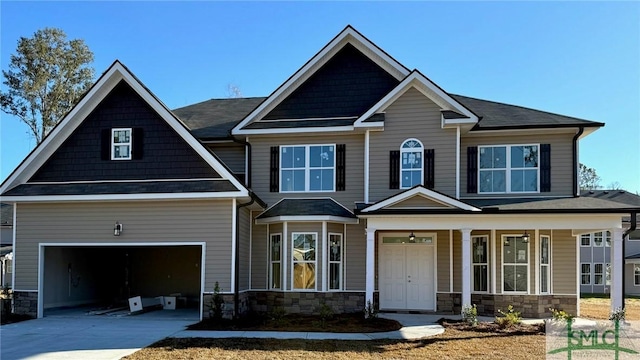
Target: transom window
{"x":121,"y":144}
{"x":545,"y":252}
{"x":515,"y":264}
{"x":508,"y":168}
{"x":304,"y":260}
{"x":307,"y":168}
{"x":411,"y":163}
{"x":275,"y":260}
{"x":585,"y":240}
{"x":480,"y":263}
{"x":335,"y":261}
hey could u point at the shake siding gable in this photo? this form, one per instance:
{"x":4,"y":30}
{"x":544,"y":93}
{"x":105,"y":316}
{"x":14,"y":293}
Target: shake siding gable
{"x":412,"y":115}
{"x":170,"y":221}
{"x":165,"y":154}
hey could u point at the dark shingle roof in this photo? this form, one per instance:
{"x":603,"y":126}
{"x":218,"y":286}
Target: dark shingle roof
{"x":570,"y":204}
{"x":636,"y":256}
{"x":620,"y":196}
{"x":6,"y":214}
{"x":450,"y":114}
{"x":496,"y":116}
{"x":146,"y":187}
{"x":216,"y":117}
{"x":300,"y":123}
{"x":306,"y":207}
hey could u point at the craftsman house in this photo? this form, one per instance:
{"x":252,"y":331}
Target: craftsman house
{"x":357,"y":180}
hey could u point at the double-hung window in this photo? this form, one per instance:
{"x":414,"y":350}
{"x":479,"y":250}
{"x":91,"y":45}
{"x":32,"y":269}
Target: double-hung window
{"x":585,"y":274}
{"x":411,"y":163}
{"x":598,"y":274}
{"x":636,"y":274}
{"x":480,"y":263}
{"x":304,"y":260}
{"x":508,"y":169}
{"x":335,"y":261}
{"x":597,"y":239}
{"x":307,"y":168}
{"x":545,"y":263}
{"x":275,"y":261}
{"x":121,"y":144}
{"x":515,"y":264}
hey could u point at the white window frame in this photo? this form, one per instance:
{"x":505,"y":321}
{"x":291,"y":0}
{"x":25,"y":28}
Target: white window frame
{"x":585,"y":237}
{"x":607,"y":239}
{"x":272,"y":262}
{"x":294,"y":235}
{"x":340,"y":263}
{"x":636,"y":274}
{"x":508,"y":169}
{"x":596,"y":273}
{"x":582,"y":274}
{"x":8,"y":267}
{"x":307,"y":168}
{"x":474,"y":264}
{"x":114,"y":144}
{"x":545,"y":267}
{"x":600,"y":236}
{"x":516,"y":264}
{"x":409,"y":150}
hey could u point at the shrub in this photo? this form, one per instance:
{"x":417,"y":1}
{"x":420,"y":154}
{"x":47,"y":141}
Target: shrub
{"x":618,"y":314}
{"x":561,"y":315}
{"x":470,"y":314}
{"x":217,"y":303}
{"x":370,"y":311}
{"x":509,"y":318}
{"x":325,"y":311}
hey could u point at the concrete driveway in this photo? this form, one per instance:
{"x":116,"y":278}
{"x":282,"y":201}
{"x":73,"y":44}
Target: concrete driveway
{"x":78,"y":336}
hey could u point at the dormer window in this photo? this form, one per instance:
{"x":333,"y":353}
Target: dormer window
{"x":411,"y":163}
{"x":121,"y":144}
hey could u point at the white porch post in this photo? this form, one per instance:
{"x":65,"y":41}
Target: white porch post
{"x":466,"y":267}
{"x":617,"y":262}
{"x":370,"y":273}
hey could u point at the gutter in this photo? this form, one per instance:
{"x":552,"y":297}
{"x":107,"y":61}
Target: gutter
{"x":575,"y":160}
{"x":634,"y":223}
{"x":236,"y":280}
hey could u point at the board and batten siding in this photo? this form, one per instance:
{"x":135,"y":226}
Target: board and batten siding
{"x":561,"y":159}
{"x":144,"y":222}
{"x":244,"y":219}
{"x":412,"y":115}
{"x":354,"y":151}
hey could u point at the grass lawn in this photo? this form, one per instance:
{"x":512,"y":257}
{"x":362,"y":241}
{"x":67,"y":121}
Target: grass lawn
{"x":599,"y":308}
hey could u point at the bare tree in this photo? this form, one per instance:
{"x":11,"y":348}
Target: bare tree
{"x":589,"y":179}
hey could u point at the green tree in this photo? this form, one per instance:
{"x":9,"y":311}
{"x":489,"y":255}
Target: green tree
{"x":46,"y":77}
{"x":589,"y":179}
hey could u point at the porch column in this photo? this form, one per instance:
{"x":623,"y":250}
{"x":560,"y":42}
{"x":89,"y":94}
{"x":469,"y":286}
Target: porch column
{"x":466,"y":267}
{"x":617,"y":262}
{"x":370,"y":273}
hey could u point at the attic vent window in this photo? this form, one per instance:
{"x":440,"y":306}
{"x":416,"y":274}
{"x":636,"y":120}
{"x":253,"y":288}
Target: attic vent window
{"x":121,"y":144}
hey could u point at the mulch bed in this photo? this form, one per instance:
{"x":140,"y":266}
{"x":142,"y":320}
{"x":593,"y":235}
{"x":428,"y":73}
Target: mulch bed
{"x":492,"y":327}
{"x":343,"y":323}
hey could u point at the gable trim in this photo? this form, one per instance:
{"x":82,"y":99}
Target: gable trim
{"x":348,"y":35}
{"x":420,"y":191}
{"x":429,"y":89}
{"x":106,"y":83}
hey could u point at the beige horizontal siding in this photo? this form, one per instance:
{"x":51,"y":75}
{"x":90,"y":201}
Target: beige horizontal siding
{"x":563,"y":262}
{"x":354,"y":151}
{"x":412,"y":115}
{"x":259,"y":256}
{"x":417,"y":202}
{"x":443,"y":261}
{"x":244,"y":225}
{"x":561,"y":159}
{"x":166,"y":221}
{"x":356,"y":257}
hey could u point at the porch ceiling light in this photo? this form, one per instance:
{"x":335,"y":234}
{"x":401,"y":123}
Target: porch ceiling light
{"x":525,"y":237}
{"x":117,"y":229}
{"x":412,"y":237}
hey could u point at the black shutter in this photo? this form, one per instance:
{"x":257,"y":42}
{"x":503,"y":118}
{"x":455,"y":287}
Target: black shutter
{"x":429,"y":169}
{"x":545,"y":167}
{"x":138,"y":143}
{"x":105,"y":144}
{"x":472,"y":169}
{"x":340,"y":167}
{"x":394,"y":169}
{"x":274,"y":172}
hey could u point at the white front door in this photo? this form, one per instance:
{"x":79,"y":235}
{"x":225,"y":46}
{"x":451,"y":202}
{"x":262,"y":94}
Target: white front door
{"x":406,"y":277}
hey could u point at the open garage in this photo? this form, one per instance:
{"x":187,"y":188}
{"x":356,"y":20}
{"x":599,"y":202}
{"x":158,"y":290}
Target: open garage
{"x":106,"y":276}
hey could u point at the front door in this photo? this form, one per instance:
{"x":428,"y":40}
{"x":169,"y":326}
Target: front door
{"x":406,"y":274}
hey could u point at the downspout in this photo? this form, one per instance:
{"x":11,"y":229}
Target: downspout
{"x":575,"y":161}
{"x":236,"y":280}
{"x":248,"y":159}
{"x":634,"y":222}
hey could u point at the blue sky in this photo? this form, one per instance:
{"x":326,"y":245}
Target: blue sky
{"x":574,"y":58}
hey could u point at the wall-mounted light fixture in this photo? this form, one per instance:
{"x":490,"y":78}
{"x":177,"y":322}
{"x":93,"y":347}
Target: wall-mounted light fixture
{"x":412,"y":237}
{"x":525,"y":237}
{"x":117,"y":229}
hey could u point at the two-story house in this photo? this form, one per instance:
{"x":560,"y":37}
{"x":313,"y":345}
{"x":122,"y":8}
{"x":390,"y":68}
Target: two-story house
{"x":357,"y":180}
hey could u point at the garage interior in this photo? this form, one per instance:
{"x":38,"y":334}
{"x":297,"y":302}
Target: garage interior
{"x":103,"y":277}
